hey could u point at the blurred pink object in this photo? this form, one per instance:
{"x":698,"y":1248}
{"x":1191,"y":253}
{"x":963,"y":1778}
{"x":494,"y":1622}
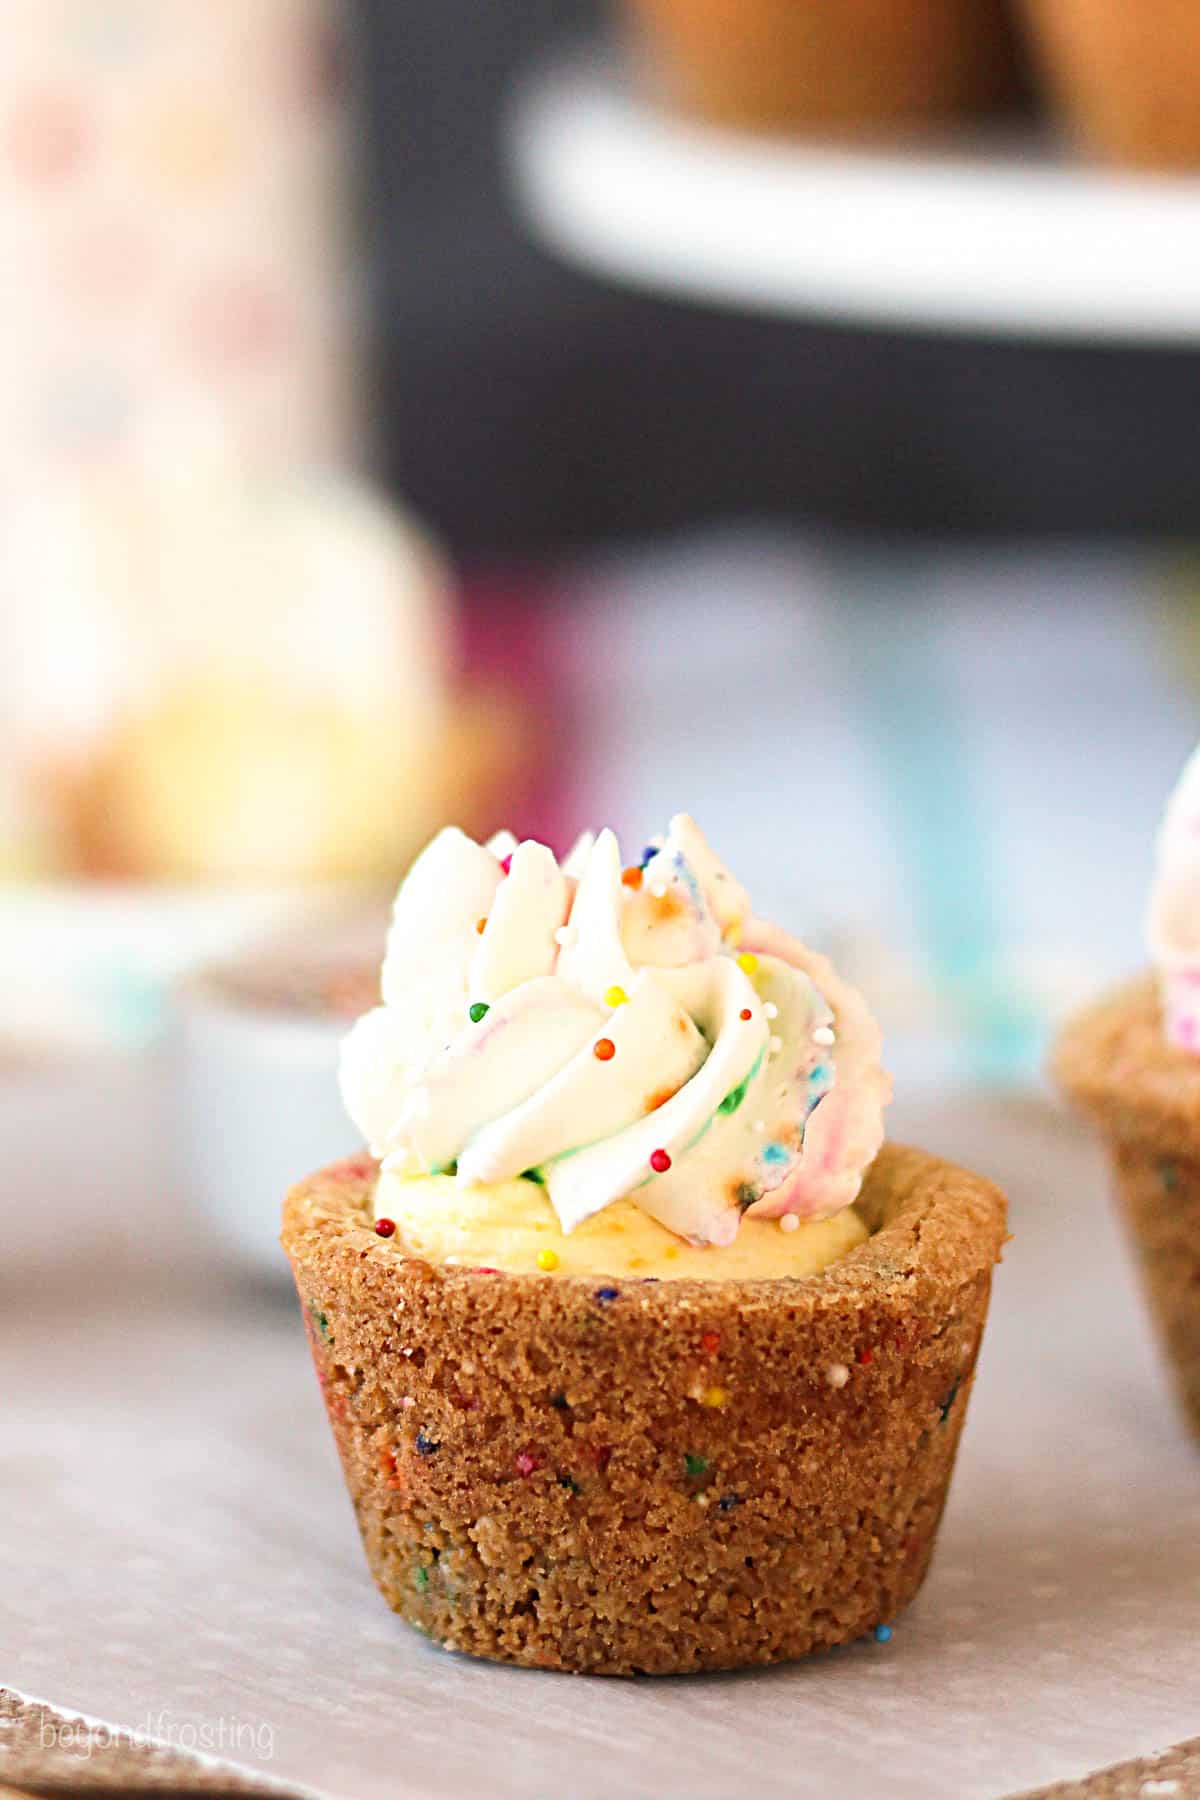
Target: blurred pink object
{"x":173,"y":233}
{"x":1173,"y":918}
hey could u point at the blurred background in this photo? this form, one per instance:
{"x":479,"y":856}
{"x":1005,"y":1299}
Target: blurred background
{"x":551,"y":414}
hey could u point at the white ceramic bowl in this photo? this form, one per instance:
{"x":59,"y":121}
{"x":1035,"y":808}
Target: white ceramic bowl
{"x":257,"y":1106}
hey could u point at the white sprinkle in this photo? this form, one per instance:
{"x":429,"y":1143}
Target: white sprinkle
{"x":823,"y":1035}
{"x":1149,"y":1788}
{"x":771,"y":1010}
{"x":657,"y":890}
{"x":837,"y":1375}
{"x":407,"y":1401}
{"x":774,"y":1045}
{"x":701,"y":1499}
{"x":760,"y":1125}
{"x":566,"y":934}
{"x":789,"y":1222}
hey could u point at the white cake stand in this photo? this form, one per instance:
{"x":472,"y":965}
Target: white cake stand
{"x":999,"y":234}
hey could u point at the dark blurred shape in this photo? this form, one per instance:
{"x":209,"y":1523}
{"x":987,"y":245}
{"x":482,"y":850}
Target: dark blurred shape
{"x":526,"y":407}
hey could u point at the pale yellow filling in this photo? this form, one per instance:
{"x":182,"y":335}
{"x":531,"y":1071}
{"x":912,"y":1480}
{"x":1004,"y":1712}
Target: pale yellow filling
{"x":512,"y":1226}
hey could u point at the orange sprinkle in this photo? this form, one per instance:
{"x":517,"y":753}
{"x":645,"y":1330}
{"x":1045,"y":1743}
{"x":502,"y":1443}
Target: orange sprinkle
{"x":481,"y":926}
{"x":710,"y":1342}
{"x":745,"y":1013}
{"x":632,"y":877}
{"x":604,"y":1049}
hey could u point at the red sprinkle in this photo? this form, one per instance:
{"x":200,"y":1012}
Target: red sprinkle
{"x":600,"y":1456}
{"x":484,"y":1269}
{"x":866,"y":1356}
{"x":660,"y":1162}
{"x":710,"y":1342}
{"x":526,"y":1463}
{"x":745,"y":1013}
{"x":385,"y":1228}
{"x":506,"y":864}
{"x":604,"y":1049}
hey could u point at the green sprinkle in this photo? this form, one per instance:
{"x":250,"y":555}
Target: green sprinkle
{"x":734,"y":1097}
{"x":534,"y":1175}
{"x":569,"y":1482}
{"x":421,"y":1578}
{"x":319,"y":1320}
{"x":478,"y":1011}
{"x":951,"y":1397}
{"x":695,"y":1465}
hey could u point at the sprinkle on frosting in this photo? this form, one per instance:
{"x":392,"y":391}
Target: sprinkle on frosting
{"x":633,"y":1033}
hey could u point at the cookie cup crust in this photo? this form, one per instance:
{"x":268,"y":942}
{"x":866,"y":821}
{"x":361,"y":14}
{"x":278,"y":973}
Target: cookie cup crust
{"x":650,"y":1476}
{"x":853,"y":69}
{"x":1142,"y":1095}
{"x":1124,"y":77}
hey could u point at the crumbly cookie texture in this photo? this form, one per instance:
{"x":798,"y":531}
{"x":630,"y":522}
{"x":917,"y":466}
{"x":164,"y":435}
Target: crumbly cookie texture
{"x":651,"y":1477}
{"x":1116,"y":1063}
{"x":1143,"y":1095}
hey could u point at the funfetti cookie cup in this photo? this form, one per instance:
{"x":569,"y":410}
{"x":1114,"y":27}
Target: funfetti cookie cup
{"x":1126,"y":77}
{"x":650,"y":1476}
{"x":1143,"y":1095}
{"x":865,"y":67}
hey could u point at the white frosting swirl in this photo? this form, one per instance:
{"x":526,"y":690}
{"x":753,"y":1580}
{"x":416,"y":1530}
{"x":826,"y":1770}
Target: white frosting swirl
{"x":614,"y":1034}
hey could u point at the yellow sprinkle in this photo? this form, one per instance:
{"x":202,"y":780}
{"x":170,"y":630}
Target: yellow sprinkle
{"x":713,"y":1396}
{"x":547,"y":1259}
{"x":733,"y":932}
{"x":747,"y":962}
{"x":616,"y":996}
